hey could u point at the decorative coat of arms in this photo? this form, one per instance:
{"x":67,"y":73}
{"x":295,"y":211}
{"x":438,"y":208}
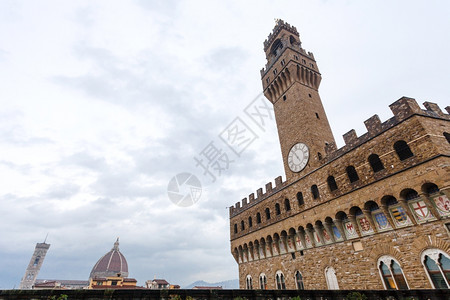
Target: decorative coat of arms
{"x":364,"y":224}
{"x":326,"y":236}
{"x":336,"y":232}
{"x":381,"y":221}
{"x":400,"y":216}
{"x":443,"y":205}
{"x":349,"y":229}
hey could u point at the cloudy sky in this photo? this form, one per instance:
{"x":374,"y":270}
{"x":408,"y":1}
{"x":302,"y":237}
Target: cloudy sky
{"x":103,"y":102}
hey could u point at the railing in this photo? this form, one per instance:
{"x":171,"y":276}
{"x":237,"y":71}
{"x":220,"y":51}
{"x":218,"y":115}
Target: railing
{"x":141,"y":294}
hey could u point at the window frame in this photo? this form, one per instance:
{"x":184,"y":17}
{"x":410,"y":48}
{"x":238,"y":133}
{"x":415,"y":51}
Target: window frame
{"x":387,"y":260}
{"x":434,"y":254}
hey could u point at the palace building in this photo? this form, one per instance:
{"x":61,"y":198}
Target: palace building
{"x":373,"y":214}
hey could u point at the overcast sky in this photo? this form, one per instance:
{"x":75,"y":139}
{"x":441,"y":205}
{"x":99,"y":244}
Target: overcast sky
{"x":103,"y":102}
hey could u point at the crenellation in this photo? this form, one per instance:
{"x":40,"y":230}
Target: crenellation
{"x":244,"y":202}
{"x":259,"y":193}
{"x":430,"y":106}
{"x":350,"y":137}
{"x":373,"y":125}
{"x":278,"y":182}
{"x":251,"y":197}
{"x":268,"y":187}
{"x":405,"y":107}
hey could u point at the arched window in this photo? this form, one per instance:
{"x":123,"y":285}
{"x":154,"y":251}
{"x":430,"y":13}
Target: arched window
{"x":409,"y":194}
{"x":437,"y":265}
{"x":351,"y":173}
{"x":332,"y":185}
{"x":430,"y":188}
{"x":330,"y":276}
{"x":267,"y":213}
{"x":292,"y":40}
{"x":403,"y":150}
{"x":277,"y":209}
{"x":391,"y":273}
{"x":315,"y":191}
{"x":319,"y":155}
{"x":36,"y":261}
{"x":263,"y":281}
{"x":299,"y":281}
{"x":258,"y":218}
{"x":250,"y":223}
{"x":276,"y":45}
{"x":242,"y":225}
{"x":300,"y":199}
{"x":447,"y":136}
{"x":287,"y":204}
{"x":249,"y":283}
{"x":235,"y":228}
{"x":375,"y":163}
{"x":279,"y":278}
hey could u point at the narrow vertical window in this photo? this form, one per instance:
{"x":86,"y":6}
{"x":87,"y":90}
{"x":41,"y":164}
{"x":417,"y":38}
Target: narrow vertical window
{"x":300,"y":199}
{"x":287,"y":204}
{"x":352,"y":174}
{"x":299,"y":281}
{"x":258,"y":218}
{"x":250,"y":223}
{"x":375,"y":163}
{"x":332,"y":183}
{"x":267,"y":213}
{"x":277,"y":209}
{"x":235,"y":228}
{"x":315,"y":191}
{"x":242,"y":225}
{"x":402,"y":149}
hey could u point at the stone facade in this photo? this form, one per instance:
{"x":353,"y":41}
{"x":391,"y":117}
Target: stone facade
{"x":381,"y":197}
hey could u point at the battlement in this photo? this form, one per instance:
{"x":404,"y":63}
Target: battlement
{"x":402,"y":109}
{"x":280,"y":24}
{"x":260,"y":195}
{"x":272,"y":60}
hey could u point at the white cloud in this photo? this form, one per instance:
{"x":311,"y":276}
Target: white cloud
{"x":103,"y":102}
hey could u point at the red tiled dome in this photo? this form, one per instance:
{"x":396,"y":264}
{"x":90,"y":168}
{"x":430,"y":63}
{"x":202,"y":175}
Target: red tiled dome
{"x":111,"y":264}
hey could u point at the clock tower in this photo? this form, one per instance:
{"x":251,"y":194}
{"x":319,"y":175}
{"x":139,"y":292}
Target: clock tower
{"x":291,"y":81}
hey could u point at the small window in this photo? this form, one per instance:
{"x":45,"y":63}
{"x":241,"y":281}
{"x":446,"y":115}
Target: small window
{"x":114,"y":282}
{"x":332,"y":183}
{"x":268,"y":79}
{"x":282,"y":62}
{"x":258,"y":218}
{"x":267,"y":213}
{"x":375,"y":163}
{"x":299,"y":281}
{"x":295,"y":57}
{"x":279,"y":277}
{"x":304,"y":61}
{"x":403,"y":150}
{"x":287,"y":204}
{"x":250,"y":223}
{"x":275,"y":71}
{"x":300,"y":199}
{"x":284,"y":97}
{"x":447,"y":136}
{"x":352,"y":174}
{"x":235,"y":228}
{"x":315,"y":191}
{"x":437,"y":264}
{"x":392,"y":274}
{"x":263,"y":282}
{"x":277,"y":209}
{"x":319,"y":155}
{"x":317,"y":115}
{"x":249,"y":283}
{"x":242,"y":225}
{"x":309,"y":95}
{"x":36,"y":261}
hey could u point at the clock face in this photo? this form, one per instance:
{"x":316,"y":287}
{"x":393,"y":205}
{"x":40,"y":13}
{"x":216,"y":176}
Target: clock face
{"x":298,"y":157}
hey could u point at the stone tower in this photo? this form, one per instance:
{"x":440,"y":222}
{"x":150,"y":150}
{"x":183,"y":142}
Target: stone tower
{"x":34,"y":266}
{"x":291,"y":81}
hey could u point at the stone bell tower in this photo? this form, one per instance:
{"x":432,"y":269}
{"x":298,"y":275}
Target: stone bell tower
{"x":34,"y":266}
{"x":291,"y":81}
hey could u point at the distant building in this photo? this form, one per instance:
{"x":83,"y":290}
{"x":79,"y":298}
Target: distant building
{"x":111,"y":264}
{"x":157,"y":284}
{"x":34,"y":266}
{"x":41,"y":284}
{"x":112,"y":282}
{"x":207,"y":288}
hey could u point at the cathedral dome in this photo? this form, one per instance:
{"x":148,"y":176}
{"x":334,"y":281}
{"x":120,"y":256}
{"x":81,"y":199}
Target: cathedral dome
{"x":112,"y":263}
